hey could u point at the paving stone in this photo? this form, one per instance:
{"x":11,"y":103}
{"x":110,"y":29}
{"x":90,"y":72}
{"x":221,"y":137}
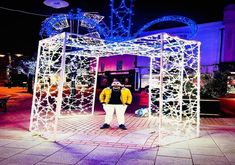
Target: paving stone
{"x":23,"y":144}
{"x":174,"y":152}
{"x":64,"y":157}
{"x":96,"y":162}
{"x":206,"y":151}
{"x":22,"y":159}
{"x":147,"y":154}
{"x":135,"y":162}
{"x":83,"y":142}
{"x":209,"y":160}
{"x":106,"y":153}
{"x":6,"y":152}
{"x":166,"y":160}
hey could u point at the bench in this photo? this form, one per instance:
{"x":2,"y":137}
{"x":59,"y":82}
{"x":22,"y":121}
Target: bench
{"x":3,"y":102}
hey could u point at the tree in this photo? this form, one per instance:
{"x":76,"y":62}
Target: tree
{"x":28,"y":68}
{"x":214,"y":85}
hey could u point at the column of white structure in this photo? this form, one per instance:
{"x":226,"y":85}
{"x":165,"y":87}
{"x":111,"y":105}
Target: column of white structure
{"x":181,"y":67}
{"x":60,"y":86}
{"x":150,"y":84}
{"x":161,"y":89}
{"x":95,"y":84}
{"x":198,"y":88}
{"x":35,"y":86}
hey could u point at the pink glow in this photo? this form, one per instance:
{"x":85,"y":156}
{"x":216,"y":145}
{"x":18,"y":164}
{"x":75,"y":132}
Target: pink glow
{"x":110,"y":63}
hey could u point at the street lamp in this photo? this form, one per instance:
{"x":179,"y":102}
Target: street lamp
{"x":18,"y":55}
{"x":57,"y":4}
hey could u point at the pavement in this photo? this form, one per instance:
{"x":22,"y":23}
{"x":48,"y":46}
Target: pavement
{"x":82,"y":142}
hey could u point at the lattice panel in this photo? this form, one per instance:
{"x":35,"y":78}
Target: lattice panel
{"x":78,"y":87}
{"x":120,"y":19}
{"x":155,"y":84}
{"x":46,"y":89}
{"x":67,"y":71}
{"x":180,"y":90}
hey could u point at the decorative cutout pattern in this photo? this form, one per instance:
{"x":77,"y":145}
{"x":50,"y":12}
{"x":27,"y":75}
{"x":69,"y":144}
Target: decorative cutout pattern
{"x":66,"y":75}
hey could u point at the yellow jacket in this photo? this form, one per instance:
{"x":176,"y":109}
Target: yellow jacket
{"x":126,"y":96}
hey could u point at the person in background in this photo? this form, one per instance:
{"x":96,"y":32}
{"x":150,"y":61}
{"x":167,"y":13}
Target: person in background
{"x":127,"y":83}
{"x":144,"y":98}
{"x":115,"y":98}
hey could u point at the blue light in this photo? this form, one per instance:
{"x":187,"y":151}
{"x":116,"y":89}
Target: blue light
{"x":175,"y":18}
{"x":120,"y":24}
{"x":55,"y":24}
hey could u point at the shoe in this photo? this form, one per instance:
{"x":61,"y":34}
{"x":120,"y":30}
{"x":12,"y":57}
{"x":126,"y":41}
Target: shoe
{"x":122,"y":126}
{"x":105,"y":126}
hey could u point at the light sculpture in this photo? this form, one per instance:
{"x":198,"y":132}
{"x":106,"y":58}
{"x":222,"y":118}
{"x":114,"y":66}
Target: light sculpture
{"x":120,"y":23}
{"x":66,"y":76}
{"x":67,"y":66}
{"x":176,"y":18}
{"x":57,"y":4}
{"x":58,"y":23}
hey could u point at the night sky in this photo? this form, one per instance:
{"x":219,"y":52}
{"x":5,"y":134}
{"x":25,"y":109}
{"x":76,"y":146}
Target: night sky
{"x":19,"y":31}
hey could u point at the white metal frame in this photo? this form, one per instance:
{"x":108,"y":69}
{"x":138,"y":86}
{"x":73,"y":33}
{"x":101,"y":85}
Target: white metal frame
{"x":67,"y":65}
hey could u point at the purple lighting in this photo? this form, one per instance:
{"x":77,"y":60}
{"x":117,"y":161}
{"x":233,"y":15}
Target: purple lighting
{"x":110,"y":63}
{"x":57,"y":4}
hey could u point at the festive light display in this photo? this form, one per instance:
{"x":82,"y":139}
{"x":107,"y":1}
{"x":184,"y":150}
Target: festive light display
{"x":71,"y":22}
{"x":120,"y":23}
{"x":192,"y":25}
{"x":120,"y":20}
{"x":67,"y":68}
{"x":66,"y":76}
{"x":57,"y":4}
{"x":27,"y":67}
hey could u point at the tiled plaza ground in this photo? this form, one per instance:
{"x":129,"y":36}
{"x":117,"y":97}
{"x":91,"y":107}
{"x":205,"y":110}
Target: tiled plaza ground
{"x":82,"y":142}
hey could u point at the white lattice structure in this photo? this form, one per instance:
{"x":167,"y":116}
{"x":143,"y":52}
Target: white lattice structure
{"x":66,"y":74}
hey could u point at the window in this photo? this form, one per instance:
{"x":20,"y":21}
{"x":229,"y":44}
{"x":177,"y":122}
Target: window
{"x":119,"y":65}
{"x":102,"y":67}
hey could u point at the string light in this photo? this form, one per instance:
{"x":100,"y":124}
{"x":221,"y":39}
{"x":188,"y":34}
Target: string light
{"x":67,"y":68}
{"x":66,"y":79}
{"x":24,"y":12}
{"x":120,"y":23}
{"x":175,"y":18}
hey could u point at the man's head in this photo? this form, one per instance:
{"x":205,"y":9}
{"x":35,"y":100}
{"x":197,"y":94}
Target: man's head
{"x":116,"y":85}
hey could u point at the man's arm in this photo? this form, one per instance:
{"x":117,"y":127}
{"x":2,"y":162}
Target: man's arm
{"x":102,"y":96}
{"x":129,"y":97}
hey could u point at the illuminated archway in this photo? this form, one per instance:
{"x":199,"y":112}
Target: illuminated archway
{"x":67,"y":71}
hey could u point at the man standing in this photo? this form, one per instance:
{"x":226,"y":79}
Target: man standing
{"x":115,"y":98}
